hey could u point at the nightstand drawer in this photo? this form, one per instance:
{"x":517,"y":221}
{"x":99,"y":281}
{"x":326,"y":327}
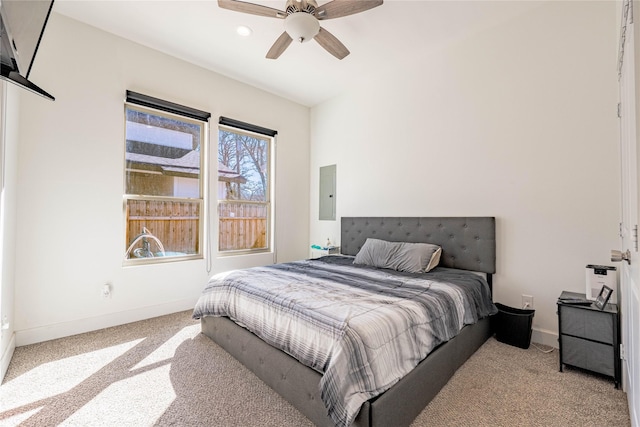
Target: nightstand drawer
{"x":590,"y":324}
{"x":589,"y":355}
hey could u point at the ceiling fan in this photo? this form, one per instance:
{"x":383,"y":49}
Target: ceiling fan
{"x":302,"y":21}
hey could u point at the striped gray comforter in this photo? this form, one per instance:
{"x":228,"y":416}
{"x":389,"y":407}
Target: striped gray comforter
{"x":363,"y":328}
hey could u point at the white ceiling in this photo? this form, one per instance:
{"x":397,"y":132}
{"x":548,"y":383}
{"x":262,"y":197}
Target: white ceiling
{"x":379,"y":39}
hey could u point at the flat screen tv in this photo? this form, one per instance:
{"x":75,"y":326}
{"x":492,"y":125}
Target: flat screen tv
{"x":22,"y":24}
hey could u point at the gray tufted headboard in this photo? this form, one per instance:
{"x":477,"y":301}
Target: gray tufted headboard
{"x":468,"y":243}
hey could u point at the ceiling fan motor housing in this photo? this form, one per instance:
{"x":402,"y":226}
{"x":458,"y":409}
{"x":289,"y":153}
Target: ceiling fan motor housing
{"x":307,"y":6}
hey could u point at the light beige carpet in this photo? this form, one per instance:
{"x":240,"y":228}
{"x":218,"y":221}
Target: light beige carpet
{"x":163,"y":372}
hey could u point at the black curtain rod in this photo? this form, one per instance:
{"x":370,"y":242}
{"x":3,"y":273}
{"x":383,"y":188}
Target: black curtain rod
{"x":167,"y":106}
{"x":247,"y":126}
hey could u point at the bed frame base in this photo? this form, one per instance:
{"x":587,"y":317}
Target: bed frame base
{"x":299,"y":384}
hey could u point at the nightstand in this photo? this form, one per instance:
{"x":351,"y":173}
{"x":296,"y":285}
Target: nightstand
{"x":589,"y":338}
{"x":332,"y":250}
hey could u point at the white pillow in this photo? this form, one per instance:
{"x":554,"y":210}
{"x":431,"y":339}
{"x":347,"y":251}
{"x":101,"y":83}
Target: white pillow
{"x":401,"y":256}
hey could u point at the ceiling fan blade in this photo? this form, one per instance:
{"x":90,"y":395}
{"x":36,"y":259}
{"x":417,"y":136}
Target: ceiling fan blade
{"x":279,"y":46}
{"x":331,"y":44}
{"x":339,"y":8}
{"x":253,"y":9}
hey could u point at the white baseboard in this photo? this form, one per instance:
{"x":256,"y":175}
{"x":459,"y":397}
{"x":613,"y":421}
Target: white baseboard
{"x":542,"y":336}
{"x":79,"y":326}
{"x":6,"y":357}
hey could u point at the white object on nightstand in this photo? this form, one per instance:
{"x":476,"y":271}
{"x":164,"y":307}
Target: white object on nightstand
{"x":318,"y":251}
{"x":597,"y":276}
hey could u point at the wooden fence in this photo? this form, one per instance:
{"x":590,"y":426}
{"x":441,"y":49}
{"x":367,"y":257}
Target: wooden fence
{"x":176,"y":224}
{"x":241,"y":225}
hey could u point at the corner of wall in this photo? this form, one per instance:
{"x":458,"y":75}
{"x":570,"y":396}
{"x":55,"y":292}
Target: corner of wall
{"x":542,"y":336}
{"x":6,"y":357}
{"x":9,"y":98}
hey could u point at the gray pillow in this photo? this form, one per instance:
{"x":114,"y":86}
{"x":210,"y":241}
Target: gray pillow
{"x":401,"y":256}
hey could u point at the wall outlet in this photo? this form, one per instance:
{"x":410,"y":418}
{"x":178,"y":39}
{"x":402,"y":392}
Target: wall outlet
{"x":527,"y":301}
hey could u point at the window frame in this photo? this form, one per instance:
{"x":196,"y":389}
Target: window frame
{"x":203,"y":179}
{"x":269,"y":192}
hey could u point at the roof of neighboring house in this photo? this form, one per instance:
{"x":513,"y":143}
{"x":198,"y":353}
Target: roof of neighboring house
{"x":229,"y":175}
{"x":186,"y":166}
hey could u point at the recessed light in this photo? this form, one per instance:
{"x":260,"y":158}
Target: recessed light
{"x":244,"y":31}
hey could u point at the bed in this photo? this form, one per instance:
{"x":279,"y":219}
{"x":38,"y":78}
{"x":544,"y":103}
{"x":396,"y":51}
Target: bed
{"x":468,"y":243}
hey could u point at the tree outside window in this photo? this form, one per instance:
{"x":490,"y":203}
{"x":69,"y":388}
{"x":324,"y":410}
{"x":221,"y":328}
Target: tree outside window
{"x":244,"y":203}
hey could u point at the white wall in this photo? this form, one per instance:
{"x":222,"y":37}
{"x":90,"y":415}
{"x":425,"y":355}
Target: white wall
{"x":9,"y":112}
{"x":71,"y":156}
{"x":517,"y":122}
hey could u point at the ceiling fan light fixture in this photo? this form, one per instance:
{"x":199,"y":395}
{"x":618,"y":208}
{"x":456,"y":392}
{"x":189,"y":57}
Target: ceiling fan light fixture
{"x":244,"y":31}
{"x":301,"y":26}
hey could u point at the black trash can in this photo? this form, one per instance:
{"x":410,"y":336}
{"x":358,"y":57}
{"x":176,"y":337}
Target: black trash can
{"x":513,"y":325}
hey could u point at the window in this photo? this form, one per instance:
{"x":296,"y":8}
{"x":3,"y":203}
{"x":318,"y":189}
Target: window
{"x":163,"y":195}
{"x":244,"y":187}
